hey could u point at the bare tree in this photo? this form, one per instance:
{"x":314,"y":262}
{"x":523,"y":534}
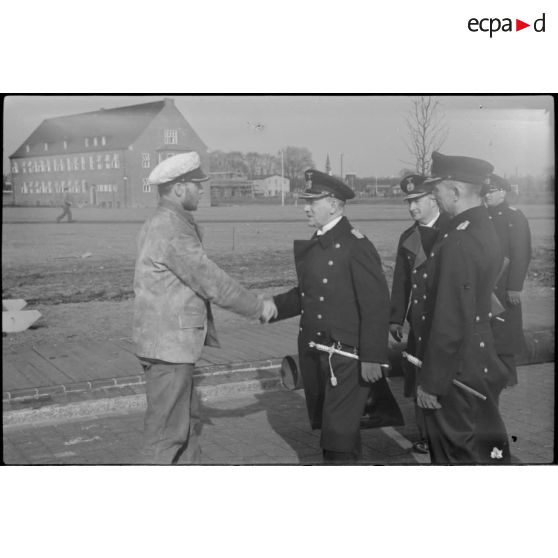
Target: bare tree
{"x":427,"y":131}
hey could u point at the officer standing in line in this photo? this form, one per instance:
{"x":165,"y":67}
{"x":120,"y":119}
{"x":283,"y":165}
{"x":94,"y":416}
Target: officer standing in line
{"x":414,"y":245}
{"x":343,"y":300}
{"x":515,"y":240}
{"x":458,"y":344}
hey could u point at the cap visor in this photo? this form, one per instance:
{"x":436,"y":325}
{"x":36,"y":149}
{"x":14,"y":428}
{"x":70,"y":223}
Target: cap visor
{"x":311,"y":196}
{"x":416,"y":196}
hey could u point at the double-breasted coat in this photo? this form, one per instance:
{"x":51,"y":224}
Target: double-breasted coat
{"x":514,"y":235}
{"x":408,"y":287}
{"x":458,"y":343}
{"x":342,"y":297}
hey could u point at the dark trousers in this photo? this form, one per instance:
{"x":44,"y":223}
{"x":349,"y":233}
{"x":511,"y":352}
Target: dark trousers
{"x":172,"y":419}
{"x":467,"y":430}
{"x":67,"y":212}
{"x":509,"y":363}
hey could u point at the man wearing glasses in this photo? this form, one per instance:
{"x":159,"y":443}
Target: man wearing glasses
{"x":515,"y":240}
{"x":174,"y":284}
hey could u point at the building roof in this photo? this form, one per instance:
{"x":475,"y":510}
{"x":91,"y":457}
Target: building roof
{"x":121,"y":126}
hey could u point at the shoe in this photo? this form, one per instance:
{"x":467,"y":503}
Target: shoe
{"x":421,"y":446}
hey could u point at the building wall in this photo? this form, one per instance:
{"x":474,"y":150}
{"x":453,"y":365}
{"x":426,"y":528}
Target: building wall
{"x":151,"y":147}
{"x":272,"y":185}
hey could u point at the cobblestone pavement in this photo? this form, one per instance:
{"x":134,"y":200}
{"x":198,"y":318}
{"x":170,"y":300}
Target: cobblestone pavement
{"x":272,"y":428}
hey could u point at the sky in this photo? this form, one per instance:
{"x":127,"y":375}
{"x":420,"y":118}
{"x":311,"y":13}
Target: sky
{"x":514,"y":133}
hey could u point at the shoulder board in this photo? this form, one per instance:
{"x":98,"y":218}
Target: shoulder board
{"x":513,"y":208}
{"x":357,"y":233}
{"x":462,"y":226}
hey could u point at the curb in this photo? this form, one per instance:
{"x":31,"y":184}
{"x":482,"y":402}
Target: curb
{"x":120,"y":395}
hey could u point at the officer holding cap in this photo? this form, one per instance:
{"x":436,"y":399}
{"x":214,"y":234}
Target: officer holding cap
{"x":514,"y":233}
{"x":174,"y":284}
{"x":458,"y":343}
{"x":413,"y":248}
{"x":343,"y":300}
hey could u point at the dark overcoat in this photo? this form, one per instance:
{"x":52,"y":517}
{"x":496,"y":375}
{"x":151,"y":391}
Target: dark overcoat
{"x":514,"y":234}
{"x":458,"y":343}
{"x":408,"y":288}
{"x":342,"y":297}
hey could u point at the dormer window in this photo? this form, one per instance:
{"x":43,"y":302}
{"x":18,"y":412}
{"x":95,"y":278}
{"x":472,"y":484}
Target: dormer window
{"x":86,"y":142}
{"x":27,"y":149}
{"x":65,"y":144}
{"x":46,"y":146}
{"x":103,"y":140}
{"x":95,"y":141}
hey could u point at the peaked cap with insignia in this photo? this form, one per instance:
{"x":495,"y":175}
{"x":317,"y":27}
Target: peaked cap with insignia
{"x":498,"y":183}
{"x":184,"y":166}
{"x":414,"y":187}
{"x":320,"y":185}
{"x":461,"y":169}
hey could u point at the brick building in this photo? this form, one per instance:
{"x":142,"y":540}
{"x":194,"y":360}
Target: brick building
{"x":273,"y":185}
{"x":102,"y":157}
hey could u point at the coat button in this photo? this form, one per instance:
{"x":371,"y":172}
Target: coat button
{"x":481,"y":344}
{"x":324,"y":280}
{"x":423,"y":318}
{"x":490,"y":314}
{"x":301,"y":312}
{"x":490,"y":216}
{"x":301,"y":294}
{"x":420,"y":338}
{"x":431,"y":254}
{"x":485,"y":370}
{"x":319,"y":316}
{"x":321,"y":299}
{"x":414,"y":285}
{"x":415,"y":301}
{"x":330,"y":262}
{"x":414,"y":270}
{"x":299,"y":329}
{"x":446,"y":235}
{"x":424,"y":297}
{"x":477,"y":319}
{"x":338,"y":245}
{"x":319,"y":333}
{"x":424,"y":275}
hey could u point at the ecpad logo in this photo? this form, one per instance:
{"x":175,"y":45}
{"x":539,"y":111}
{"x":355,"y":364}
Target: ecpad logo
{"x":493,"y":25}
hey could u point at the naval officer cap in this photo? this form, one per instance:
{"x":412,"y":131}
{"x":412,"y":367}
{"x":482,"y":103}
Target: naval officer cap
{"x":498,"y":183}
{"x":461,"y":169}
{"x":414,"y":187}
{"x":184,"y":167}
{"x":321,"y":185}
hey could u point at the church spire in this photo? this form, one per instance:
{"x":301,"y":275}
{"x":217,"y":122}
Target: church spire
{"x":328,"y":165}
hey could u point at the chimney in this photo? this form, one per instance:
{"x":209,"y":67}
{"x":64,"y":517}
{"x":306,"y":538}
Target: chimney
{"x":169,"y":101}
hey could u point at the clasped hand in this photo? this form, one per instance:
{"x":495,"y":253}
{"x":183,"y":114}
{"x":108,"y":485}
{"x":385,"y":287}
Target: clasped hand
{"x":269,"y":309}
{"x":427,"y":400}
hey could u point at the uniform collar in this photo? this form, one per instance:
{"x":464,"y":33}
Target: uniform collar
{"x":341,"y":228}
{"x":181,"y":213}
{"x":472,"y":214}
{"x":329,"y":226}
{"x":431,"y":223}
{"x":500,"y":207}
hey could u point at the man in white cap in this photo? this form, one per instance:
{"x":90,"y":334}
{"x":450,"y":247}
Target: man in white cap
{"x":174,"y":284}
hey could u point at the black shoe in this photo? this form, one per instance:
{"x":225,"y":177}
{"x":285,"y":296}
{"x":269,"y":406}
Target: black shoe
{"x":421,"y":446}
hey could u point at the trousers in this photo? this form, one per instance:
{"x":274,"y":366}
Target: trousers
{"x":67,"y":212}
{"x":172,"y":422}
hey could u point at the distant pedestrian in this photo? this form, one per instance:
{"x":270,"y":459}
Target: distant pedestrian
{"x":408,"y":289}
{"x":458,"y":344}
{"x":67,"y":203}
{"x":342,"y":298}
{"x":515,"y":240}
{"x":174,"y":284}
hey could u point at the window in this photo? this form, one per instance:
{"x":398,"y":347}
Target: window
{"x":24,"y":188}
{"x":145,"y":163}
{"x":14,"y":167}
{"x":103,"y":140}
{"x":76,"y":163}
{"x":99,"y":162}
{"x":91,"y":162}
{"x":146,"y":185}
{"x":83,"y":186}
{"x":107,"y":160}
{"x":43,"y":187}
{"x":86,"y":142}
{"x":115,"y":161}
{"x":68,"y":164}
{"x":95,"y":141}
{"x":65,"y":144}
{"x":27,"y":149}
{"x":46,"y":146}
{"x":49,"y":187}
{"x":47,"y":165}
{"x":171,"y":136}
{"x":62,"y":185}
{"x":82,"y":159}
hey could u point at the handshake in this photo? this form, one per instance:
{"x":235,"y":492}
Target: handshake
{"x":269,"y":309}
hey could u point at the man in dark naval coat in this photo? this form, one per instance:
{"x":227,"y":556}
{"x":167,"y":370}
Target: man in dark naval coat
{"x":343,"y":299}
{"x":408,"y":288}
{"x":458,"y":344}
{"x":515,"y":240}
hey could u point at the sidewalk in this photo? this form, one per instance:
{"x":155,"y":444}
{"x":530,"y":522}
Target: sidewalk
{"x":271,"y":427}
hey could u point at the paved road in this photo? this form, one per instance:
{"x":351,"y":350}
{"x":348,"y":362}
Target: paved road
{"x":271,"y":427}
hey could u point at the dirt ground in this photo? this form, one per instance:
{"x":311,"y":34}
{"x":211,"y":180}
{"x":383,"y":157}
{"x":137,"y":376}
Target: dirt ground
{"x":79,"y":276}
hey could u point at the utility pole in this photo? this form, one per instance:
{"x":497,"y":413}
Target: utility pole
{"x":282,"y":180}
{"x":341,"y":157}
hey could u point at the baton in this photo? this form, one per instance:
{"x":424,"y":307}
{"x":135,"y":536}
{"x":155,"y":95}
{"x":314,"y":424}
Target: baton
{"x":418,"y":363}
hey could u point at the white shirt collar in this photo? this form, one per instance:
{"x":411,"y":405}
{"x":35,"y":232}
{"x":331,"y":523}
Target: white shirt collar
{"x":328,"y":226}
{"x":430,"y":224}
